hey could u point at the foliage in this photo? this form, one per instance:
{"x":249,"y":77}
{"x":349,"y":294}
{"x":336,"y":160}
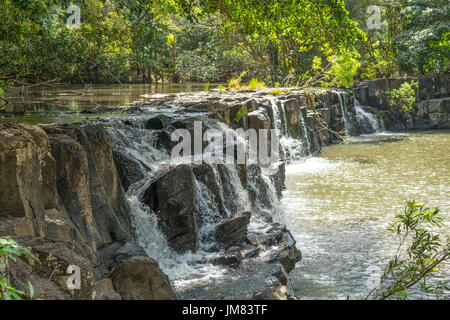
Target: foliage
{"x":191,"y":66}
{"x":423,"y":45}
{"x":340,"y":70}
{"x":11,"y":249}
{"x":277,"y":42}
{"x":278,"y":34}
{"x":235,"y":83}
{"x":255,"y":84}
{"x":418,"y":257}
{"x":377,"y":54}
{"x":344,"y":67}
{"x":241,"y":113}
{"x":412,"y":40}
{"x":277,"y":92}
{"x":404,"y":97}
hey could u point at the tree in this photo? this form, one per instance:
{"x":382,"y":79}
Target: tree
{"x":423,"y":46}
{"x":413,"y":38}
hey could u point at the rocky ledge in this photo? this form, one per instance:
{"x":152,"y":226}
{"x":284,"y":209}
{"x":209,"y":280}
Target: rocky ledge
{"x":106,"y":196}
{"x":431,"y":110}
{"x":63,"y":194}
{"x":63,"y":197}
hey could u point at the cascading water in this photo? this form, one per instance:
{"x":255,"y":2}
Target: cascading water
{"x":138,"y":144}
{"x":346,"y":114}
{"x":276,"y":114}
{"x":367,"y":122}
{"x":209,"y":212}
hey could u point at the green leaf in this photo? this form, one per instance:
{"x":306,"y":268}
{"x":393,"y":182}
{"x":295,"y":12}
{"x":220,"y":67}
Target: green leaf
{"x":31,"y":290}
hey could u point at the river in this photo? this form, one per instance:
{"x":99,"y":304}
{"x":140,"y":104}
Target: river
{"x":66,"y":103}
{"x":340,"y":204}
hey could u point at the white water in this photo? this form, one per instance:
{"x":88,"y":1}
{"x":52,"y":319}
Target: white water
{"x":190,"y":272}
{"x":182,"y":269}
{"x":194,"y":270}
{"x":293,"y":147}
{"x":276,"y":114}
{"x":345,"y":113}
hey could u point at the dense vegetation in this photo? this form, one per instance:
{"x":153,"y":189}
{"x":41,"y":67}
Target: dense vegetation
{"x":293,"y":42}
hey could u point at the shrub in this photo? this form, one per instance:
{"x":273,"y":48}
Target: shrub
{"x":277,"y":92}
{"x":344,"y":68}
{"x":235,"y":83}
{"x":255,"y":84}
{"x":242,"y":112}
{"x":404,"y":97}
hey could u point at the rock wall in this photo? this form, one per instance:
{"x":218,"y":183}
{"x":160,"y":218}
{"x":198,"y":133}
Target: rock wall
{"x":61,"y":196}
{"x":431,"y":110}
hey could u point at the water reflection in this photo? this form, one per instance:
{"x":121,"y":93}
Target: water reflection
{"x":75,"y":98}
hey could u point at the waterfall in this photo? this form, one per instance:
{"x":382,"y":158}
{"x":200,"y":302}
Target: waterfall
{"x":238,"y":196}
{"x":283,"y":114}
{"x":209,"y":213}
{"x":276,"y":115}
{"x":367,"y":122}
{"x":293,"y":148}
{"x":346,"y":114}
{"x":145,"y":226}
{"x":190,"y":269}
{"x":305,"y":132}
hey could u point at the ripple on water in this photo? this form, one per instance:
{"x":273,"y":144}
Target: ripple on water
{"x":339,"y":205}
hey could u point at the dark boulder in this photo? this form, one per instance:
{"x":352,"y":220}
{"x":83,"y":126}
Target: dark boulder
{"x":234,"y":229}
{"x":231,"y":258}
{"x":140,"y":278}
{"x":50,"y":277}
{"x":128,"y":168}
{"x":158,"y":122}
{"x":172,"y":197}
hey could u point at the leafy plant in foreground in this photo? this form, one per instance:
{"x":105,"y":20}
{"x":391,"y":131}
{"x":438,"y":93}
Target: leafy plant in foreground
{"x":418,"y":257}
{"x":11,"y":249}
{"x":403,"y":97}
